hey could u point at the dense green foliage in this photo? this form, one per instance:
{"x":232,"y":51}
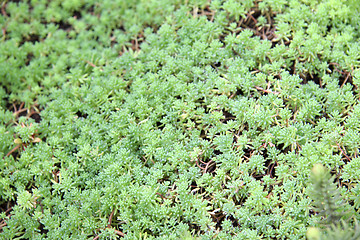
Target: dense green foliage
{"x":178,"y":119}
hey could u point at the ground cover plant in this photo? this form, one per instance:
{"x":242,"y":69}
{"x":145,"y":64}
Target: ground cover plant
{"x":179,"y":119}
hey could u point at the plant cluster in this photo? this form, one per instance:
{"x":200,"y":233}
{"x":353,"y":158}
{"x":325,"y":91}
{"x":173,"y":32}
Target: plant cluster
{"x":331,"y":207}
{"x":178,"y":119}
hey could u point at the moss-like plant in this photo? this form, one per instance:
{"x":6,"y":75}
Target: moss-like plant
{"x":330,"y":205}
{"x":173,"y":119}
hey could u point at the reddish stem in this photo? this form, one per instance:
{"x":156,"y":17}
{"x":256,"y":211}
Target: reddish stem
{"x":343,"y":151}
{"x":3,"y":12}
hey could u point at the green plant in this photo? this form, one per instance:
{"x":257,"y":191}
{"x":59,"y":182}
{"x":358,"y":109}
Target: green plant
{"x":170,"y":119}
{"x":331,"y":208}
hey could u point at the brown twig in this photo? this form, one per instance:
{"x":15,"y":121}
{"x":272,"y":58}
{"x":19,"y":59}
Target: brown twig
{"x":347,"y":77}
{"x":210,"y":163}
{"x":97,"y":237}
{"x":33,"y":110}
{"x":265,"y":90}
{"x":197,"y":163}
{"x":252,"y":17}
{"x":119,"y":233}
{"x":109,"y":227}
{"x":20,"y":111}
{"x":335,"y":68}
{"x":116,"y":231}
{"x":202,"y":161}
{"x":20,"y":107}
{"x":136,"y":44}
{"x":147,"y":160}
{"x":272,"y":167}
{"x":2,"y":225}
{"x":3,"y":12}
{"x":110,"y":218}
{"x":342,"y":151}
{"x":232,"y":95}
{"x":93,"y":65}
{"x":8,"y":210}
{"x":13,"y":150}
{"x":162,"y":196}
